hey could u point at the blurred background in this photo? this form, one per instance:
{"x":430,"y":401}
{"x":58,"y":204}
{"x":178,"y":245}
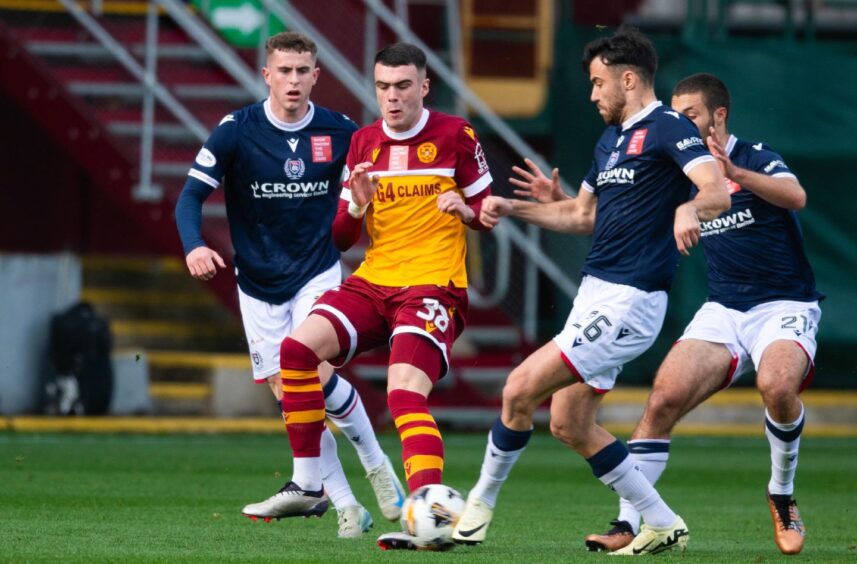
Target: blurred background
{"x":105,"y":103}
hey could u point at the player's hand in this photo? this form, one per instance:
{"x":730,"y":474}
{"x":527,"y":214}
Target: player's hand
{"x":493,"y":208}
{"x":363,"y":185}
{"x":534,"y":184}
{"x":686,"y":228}
{"x":452,"y":203}
{"x":715,"y":146}
{"x":202,"y":263}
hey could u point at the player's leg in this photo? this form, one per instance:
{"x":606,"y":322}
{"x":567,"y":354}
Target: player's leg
{"x":302,"y":405}
{"x":425,"y":322}
{"x":528,"y":386}
{"x":573,"y":412}
{"x":783,"y":347}
{"x":264,"y":325}
{"x":614,"y":325}
{"x":345,"y":409}
{"x":353,"y":519}
{"x":692,"y":371}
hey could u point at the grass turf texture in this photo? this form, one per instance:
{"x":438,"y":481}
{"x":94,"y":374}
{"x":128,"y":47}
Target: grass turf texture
{"x":177,"y":498}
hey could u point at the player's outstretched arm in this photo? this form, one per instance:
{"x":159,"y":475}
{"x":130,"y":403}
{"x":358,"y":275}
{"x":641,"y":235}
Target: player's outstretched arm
{"x":571,"y":215}
{"x":534,"y":184}
{"x":783,"y":191}
{"x":711,"y":200}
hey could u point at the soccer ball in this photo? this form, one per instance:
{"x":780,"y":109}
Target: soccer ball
{"x":430,"y":514}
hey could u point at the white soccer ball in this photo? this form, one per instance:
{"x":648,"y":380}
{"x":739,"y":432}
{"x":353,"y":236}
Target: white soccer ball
{"x":430,"y":514}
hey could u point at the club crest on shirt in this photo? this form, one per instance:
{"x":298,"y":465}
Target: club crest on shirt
{"x":294,"y":168}
{"x":611,"y":162}
{"x":427,"y":152}
{"x":375,"y":153}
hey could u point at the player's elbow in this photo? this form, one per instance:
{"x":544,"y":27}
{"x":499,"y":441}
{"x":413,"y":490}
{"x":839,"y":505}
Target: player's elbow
{"x":798,"y":199}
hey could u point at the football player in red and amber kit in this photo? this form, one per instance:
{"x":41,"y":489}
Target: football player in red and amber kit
{"x":418,"y":177}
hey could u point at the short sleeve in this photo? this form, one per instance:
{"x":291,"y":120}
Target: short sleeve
{"x":215,"y":158}
{"x":680,"y":141}
{"x":590,"y":181}
{"x":765,"y":160}
{"x":471,"y":171}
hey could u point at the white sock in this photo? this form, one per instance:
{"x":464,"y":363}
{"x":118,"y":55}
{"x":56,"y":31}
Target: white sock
{"x":784,"y":439}
{"x":650,"y":456}
{"x":495,"y":470}
{"x":626,"y":479}
{"x":332,"y":475}
{"x":306,"y":472}
{"x":345,"y":409}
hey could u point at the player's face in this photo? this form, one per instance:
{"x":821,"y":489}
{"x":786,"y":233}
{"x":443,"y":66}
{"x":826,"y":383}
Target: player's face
{"x":400,"y":92}
{"x":608,"y":94}
{"x":290,"y":76}
{"x":693,"y":106}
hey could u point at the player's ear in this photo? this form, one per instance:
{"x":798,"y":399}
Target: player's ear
{"x":720,"y":115}
{"x":424,"y":88}
{"x":629,"y":79}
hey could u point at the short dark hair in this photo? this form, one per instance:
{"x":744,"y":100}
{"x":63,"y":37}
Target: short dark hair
{"x":400,"y":55}
{"x":628,"y":47}
{"x":291,"y":41}
{"x":714,"y":92}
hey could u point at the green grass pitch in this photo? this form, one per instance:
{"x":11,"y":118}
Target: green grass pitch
{"x":177,"y":498}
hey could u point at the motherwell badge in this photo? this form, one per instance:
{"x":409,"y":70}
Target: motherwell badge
{"x":427,"y":152}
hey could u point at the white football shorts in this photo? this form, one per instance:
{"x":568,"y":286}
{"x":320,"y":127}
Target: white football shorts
{"x":748,"y":333}
{"x":266,"y":325}
{"x":609,"y":325}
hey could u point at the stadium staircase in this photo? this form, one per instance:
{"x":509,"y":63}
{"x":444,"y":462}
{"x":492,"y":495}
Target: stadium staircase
{"x":186,"y":330}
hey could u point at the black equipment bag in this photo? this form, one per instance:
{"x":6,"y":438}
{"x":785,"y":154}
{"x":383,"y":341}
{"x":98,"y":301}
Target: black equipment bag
{"x":80,"y":351}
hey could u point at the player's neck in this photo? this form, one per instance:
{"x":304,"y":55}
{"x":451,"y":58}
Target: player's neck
{"x":636,"y":102}
{"x":290,"y":117}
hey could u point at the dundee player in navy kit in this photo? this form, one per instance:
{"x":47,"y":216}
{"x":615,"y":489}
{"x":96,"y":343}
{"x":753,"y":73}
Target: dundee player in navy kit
{"x":762,"y":313}
{"x":282,"y":161}
{"x":634,"y":201}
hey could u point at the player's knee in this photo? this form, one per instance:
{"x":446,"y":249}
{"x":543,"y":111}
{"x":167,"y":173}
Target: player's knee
{"x":518,"y":393}
{"x":296,"y":355}
{"x":663,"y":409}
{"x":777,"y":394}
{"x":567,"y":433}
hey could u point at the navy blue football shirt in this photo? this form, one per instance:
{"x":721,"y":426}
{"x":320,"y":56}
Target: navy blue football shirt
{"x":282,"y":183}
{"x":755,"y":251}
{"x":639,"y":174}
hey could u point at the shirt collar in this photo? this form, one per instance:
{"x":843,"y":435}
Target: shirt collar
{"x":402,"y":135}
{"x":730,"y":144}
{"x":288,"y":126}
{"x":628,"y":123}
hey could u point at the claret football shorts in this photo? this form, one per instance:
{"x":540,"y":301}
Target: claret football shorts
{"x":373,"y":315}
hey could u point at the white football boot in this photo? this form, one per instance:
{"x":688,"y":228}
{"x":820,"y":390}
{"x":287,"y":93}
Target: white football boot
{"x":354,"y":520}
{"x":290,"y":501}
{"x":652,"y":541}
{"x":388,"y":489}
{"x":473,"y":524}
